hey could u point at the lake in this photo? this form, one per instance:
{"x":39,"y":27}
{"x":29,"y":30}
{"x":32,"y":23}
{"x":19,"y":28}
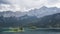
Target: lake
{"x":33,"y":32}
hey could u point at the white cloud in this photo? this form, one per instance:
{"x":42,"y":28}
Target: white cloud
{"x":53,"y":3}
{"x":6,"y":7}
{"x":24,"y":5}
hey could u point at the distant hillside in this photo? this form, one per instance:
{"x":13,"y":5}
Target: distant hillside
{"x":42,"y":17}
{"x":49,"y":21}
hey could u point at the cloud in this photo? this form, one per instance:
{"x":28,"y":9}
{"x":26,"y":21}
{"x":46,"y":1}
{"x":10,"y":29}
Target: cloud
{"x":7,"y":7}
{"x":53,"y":3}
{"x":3,"y":2}
{"x":25,"y":5}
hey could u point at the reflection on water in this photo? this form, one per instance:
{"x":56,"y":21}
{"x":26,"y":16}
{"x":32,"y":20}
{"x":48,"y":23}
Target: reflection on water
{"x":33,"y":32}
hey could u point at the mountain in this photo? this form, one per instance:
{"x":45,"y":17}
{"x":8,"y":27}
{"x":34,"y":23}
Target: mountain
{"x":49,"y":21}
{"x":43,"y":11}
{"x":11,"y":13}
{"x":16,"y":21}
{"x":42,"y":17}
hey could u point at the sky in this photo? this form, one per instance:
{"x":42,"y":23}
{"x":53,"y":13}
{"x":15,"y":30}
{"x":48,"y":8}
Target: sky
{"x":26,"y":5}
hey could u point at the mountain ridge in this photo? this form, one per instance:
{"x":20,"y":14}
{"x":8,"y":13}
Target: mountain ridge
{"x":43,"y":11}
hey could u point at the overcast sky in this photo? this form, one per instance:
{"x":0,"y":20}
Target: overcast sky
{"x":25,"y":5}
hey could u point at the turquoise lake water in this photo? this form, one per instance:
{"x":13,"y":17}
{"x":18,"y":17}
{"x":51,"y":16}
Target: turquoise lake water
{"x":33,"y":32}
